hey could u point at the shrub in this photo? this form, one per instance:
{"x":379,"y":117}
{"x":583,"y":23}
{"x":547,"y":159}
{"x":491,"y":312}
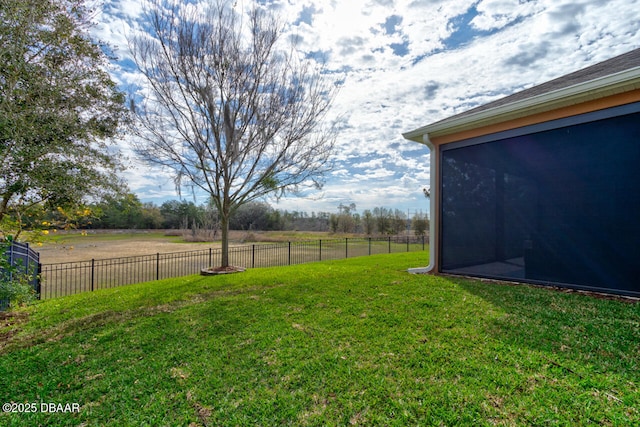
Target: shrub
{"x":15,"y":287}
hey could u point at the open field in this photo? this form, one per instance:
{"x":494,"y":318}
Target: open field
{"x":76,"y":247}
{"x":349,"y":342}
{"x":73,"y":246}
{"x":82,"y":276}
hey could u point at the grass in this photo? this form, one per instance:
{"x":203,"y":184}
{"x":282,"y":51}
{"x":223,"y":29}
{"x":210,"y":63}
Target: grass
{"x":287,"y":236}
{"x":183,"y":236}
{"x":75,"y":237}
{"x":349,"y":342}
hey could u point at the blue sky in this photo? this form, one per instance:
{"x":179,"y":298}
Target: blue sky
{"x":405,"y":64}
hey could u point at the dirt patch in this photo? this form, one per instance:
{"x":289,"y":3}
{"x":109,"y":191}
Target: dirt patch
{"x":9,"y":324}
{"x":83,"y":251}
{"x":104,"y":244}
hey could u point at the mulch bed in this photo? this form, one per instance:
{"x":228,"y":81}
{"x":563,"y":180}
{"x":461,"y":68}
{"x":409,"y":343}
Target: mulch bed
{"x":212,"y":271}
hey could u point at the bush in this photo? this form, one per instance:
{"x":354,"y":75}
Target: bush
{"x":16,"y":292}
{"x":15,"y":287}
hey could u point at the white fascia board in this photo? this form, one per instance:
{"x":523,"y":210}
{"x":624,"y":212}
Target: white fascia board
{"x":593,"y":89}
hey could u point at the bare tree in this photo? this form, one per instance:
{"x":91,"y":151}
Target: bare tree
{"x":368,"y":222}
{"x":228,"y":109}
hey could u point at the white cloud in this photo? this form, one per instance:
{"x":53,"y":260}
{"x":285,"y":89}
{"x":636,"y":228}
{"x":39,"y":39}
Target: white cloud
{"x":372,"y":176}
{"x":371,"y":164}
{"x":496,"y":14}
{"x":448,"y":61}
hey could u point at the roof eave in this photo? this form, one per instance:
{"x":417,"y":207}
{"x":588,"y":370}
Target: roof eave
{"x":593,"y":89}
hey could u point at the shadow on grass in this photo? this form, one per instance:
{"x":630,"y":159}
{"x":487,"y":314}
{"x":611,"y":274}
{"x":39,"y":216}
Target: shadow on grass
{"x":578,"y":329}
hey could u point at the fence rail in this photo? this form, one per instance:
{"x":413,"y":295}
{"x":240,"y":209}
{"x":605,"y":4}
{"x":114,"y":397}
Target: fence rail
{"x":74,"y":277}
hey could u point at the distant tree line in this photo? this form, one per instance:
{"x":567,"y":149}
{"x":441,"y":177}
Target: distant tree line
{"x":379,"y":220}
{"x":126,"y":211}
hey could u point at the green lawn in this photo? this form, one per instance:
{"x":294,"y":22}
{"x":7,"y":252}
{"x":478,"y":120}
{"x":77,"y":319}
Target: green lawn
{"x":90,"y":236}
{"x":349,"y":342}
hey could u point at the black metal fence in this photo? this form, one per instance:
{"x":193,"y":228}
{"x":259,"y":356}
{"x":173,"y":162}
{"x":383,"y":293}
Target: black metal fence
{"x":25,"y":261}
{"x":74,"y":277}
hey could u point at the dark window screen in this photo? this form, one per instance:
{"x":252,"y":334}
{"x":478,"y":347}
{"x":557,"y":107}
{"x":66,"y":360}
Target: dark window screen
{"x":557,"y":206}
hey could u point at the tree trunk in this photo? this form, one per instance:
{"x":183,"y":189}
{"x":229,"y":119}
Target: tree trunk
{"x":224,"y":228}
{"x":4,"y":205}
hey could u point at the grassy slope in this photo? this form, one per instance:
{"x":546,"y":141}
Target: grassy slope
{"x":356,"y":341}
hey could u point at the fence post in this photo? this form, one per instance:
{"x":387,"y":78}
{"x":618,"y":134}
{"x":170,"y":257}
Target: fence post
{"x":210,"y":258}
{"x":289,"y":259}
{"x":11,"y":259}
{"x":320,"y":259}
{"x":157,"y":265}
{"x":39,"y":280}
{"x":93,"y":269}
{"x":389,"y":244}
{"x":407,"y":243}
{"x":346,"y":247}
{"x":369,"y":245}
{"x":253,"y":256}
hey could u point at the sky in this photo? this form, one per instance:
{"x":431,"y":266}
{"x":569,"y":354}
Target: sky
{"x":404,"y":64}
